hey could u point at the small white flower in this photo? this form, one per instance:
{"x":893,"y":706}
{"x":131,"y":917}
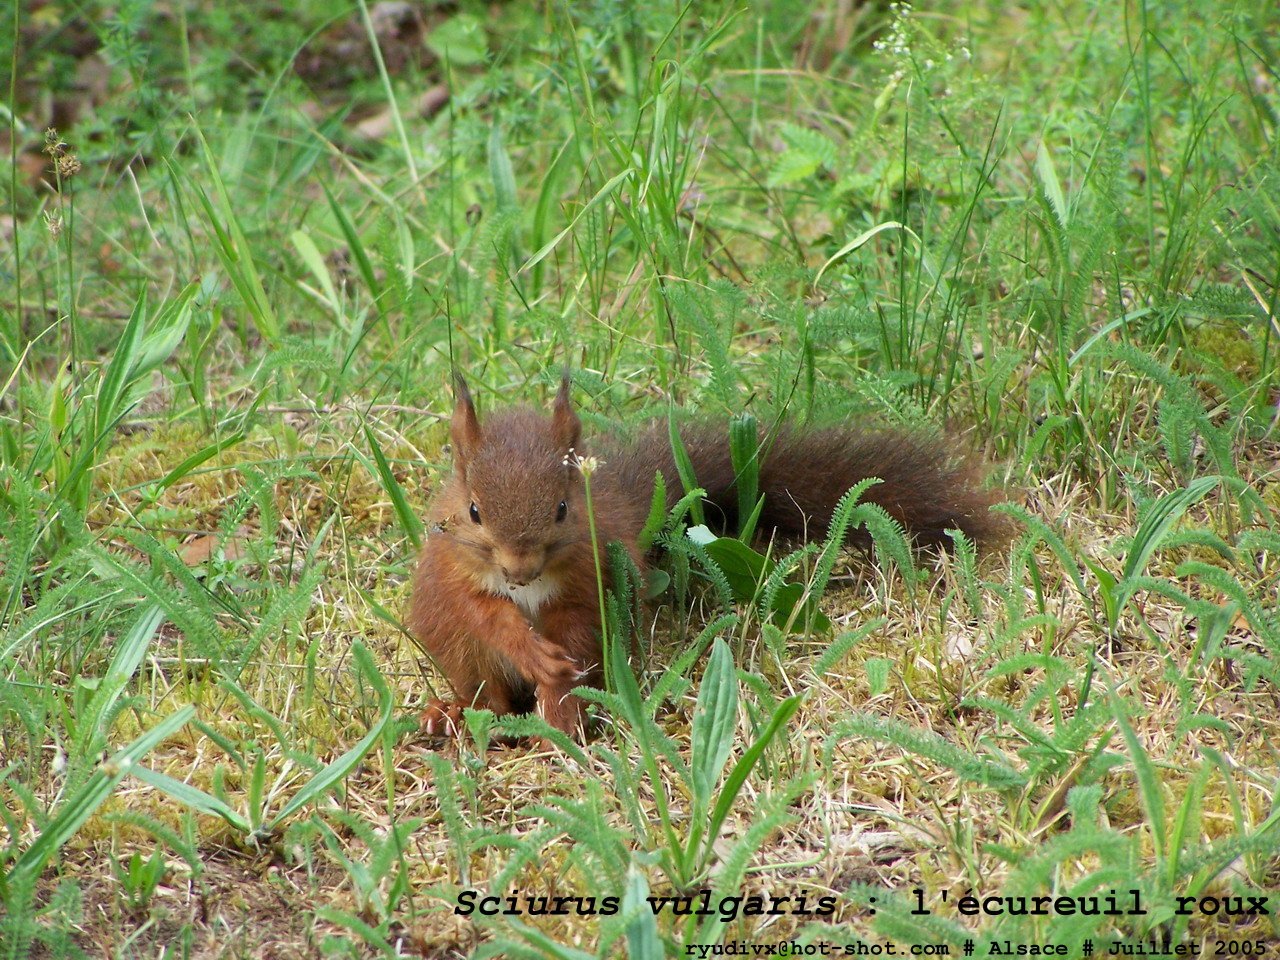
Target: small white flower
{"x":586,"y":465}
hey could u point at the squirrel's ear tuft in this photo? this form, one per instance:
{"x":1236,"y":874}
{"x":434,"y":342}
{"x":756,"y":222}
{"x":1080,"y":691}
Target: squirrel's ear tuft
{"x":565,"y":425}
{"x":464,"y":427}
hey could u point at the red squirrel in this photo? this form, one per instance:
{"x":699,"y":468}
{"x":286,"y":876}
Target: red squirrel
{"x":505,"y":597}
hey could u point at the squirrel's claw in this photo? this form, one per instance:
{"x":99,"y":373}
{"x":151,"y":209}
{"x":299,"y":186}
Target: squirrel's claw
{"x":441,"y":719}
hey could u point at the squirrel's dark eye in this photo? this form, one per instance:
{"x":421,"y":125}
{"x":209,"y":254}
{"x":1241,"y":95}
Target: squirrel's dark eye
{"x":562,"y":511}
{"x":475,"y":514}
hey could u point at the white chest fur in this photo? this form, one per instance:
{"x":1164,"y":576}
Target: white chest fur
{"x":529,"y":597}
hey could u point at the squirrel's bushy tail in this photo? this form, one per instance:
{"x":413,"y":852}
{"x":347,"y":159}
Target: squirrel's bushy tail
{"x":927,"y":484}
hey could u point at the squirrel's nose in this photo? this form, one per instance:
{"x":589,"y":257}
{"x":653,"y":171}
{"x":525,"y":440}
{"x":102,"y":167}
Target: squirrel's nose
{"x":520,"y":566}
{"x":520,"y":578}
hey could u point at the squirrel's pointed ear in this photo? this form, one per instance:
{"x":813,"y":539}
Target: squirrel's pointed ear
{"x":464,"y":428}
{"x":565,"y":424}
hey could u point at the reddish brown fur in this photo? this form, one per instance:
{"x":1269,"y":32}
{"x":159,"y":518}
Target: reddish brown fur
{"x":517,"y":469}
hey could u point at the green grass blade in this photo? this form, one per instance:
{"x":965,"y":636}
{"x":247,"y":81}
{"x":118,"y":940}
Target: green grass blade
{"x":715,"y":720}
{"x":744,"y":450}
{"x":1052,"y":186}
{"x":234,"y":250}
{"x":358,"y":252}
{"x":193,"y":797}
{"x":199,"y":457}
{"x":314,"y":261}
{"x":407,"y":516}
{"x":742,"y":769}
{"x":124,"y":665}
{"x":73,"y":814}
{"x":684,"y":466}
{"x":1149,"y":788}
{"x":1159,"y":520}
{"x":643,"y":939}
{"x":338,"y":769}
{"x":602,"y":194}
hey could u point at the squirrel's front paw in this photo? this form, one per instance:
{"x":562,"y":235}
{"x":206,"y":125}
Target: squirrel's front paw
{"x":553,"y":667}
{"x":562,"y":710}
{"x":442,"y":719}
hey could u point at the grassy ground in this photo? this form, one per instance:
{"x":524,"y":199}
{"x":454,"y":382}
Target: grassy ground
{"x":237,"y":275}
